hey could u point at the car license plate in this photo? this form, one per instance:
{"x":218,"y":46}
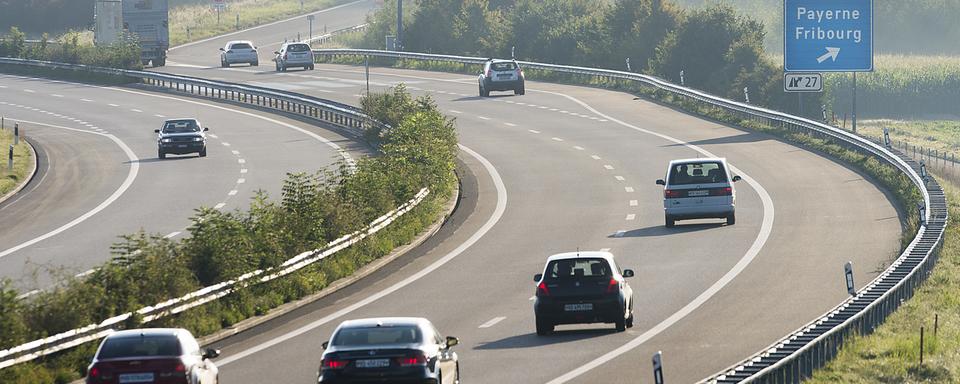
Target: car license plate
{"x":136,"y":378}
{"x":182,"y":146}
{"x":578,"y":307}
{"x":373,"y":363}
{"x":698,"y":193}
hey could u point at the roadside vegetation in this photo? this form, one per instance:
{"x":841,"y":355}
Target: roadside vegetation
{"x":71,"y":48}
{"x":201,"y":19}
{"x":22,"y":162}
{"x":417,"y":150}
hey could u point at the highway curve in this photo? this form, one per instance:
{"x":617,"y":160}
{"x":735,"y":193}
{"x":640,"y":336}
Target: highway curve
{"x":567,"y":167}
{"x":99,"y":175}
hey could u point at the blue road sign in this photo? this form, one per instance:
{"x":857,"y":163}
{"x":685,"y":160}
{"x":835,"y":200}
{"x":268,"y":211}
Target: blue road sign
{"x":828,"y":35}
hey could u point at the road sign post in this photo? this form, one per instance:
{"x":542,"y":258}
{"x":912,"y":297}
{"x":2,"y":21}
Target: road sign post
{"x":848,"y":275}
{"x":657,"y":368}
{"x":310,"y":19}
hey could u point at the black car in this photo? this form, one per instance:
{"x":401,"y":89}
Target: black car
{"x":181,"y":136}
{"x":392,"y":350}
{"x":582,"y":287}
{"x":501,"y":75}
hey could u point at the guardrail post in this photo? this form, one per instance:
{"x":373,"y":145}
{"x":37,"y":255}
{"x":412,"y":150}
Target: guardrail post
{"x":10,"y":160}
{"x":16,"y":133}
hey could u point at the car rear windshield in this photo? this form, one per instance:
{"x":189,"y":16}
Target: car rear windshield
{"x":504,"y":66}
{"x":241,"y":46}
{"x":378,"y":335}
{"x":140,"y":346}
{"x":298,"y":48}
{"x":698,"y":173}
{"x":566,"y":269}
{"x":181,"y":126}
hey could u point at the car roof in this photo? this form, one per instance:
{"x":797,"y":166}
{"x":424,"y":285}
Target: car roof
{"x":296,"y":42}
{"x":181,"y":119}
{"x":699,"y":160}
{"x":582,"y":254}
{"x":384,"y":322}
{"x":148,"y":332}
{"x":232,"y":42}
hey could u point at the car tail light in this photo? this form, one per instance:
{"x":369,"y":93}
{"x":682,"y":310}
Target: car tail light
{"x":613,"y":286}
{"x":542,"y":289}
{"x":179,"y":370}
{"x":284,"y":56}
{"x":671,"y":193}
{"x":94,"y":373}
{"x":333,"y":363}
{"x":489,"y":73}
{"x":409,"y":361}
{"x":519,"y":72}
{"x":726,"y":191}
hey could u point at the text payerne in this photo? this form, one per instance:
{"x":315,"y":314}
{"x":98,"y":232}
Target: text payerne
{"x":829,"y":14}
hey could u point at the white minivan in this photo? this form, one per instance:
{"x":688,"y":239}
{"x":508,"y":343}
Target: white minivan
{"x":698,"y":189}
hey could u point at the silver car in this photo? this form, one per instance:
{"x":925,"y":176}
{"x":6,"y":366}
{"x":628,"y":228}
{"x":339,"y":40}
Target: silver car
{"x":294,"y":55}
{"x":240,"y":51}
{"x":500,"y":75}
{"x":699,"y":188}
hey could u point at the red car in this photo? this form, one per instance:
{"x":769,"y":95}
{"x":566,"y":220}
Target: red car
{"x":155,"y":355}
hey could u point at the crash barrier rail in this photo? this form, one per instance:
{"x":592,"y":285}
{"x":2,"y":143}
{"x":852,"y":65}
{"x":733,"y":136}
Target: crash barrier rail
{"x":795,"y":356}
{"x":326,"y":111}
{"x":326,"y":37}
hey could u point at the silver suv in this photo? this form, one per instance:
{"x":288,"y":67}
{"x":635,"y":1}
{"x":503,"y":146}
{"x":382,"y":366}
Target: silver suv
{"x":294,"y":55}
{"x":698,"y":188}
{"x":500,"y":75}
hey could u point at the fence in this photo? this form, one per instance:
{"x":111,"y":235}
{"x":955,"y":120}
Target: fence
{"x":322,"y":110}
{"x":795,"y":356}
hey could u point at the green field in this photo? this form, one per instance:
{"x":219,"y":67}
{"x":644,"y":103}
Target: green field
{"x":22,"y":160}
{"x":201,"y":19}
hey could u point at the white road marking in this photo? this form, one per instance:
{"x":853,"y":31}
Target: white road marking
{"x":602,"y":120}
{"x":159,"y":115}
{"x":579,"y":148}
{"x":533,"y":131}
{"x":56,"y":95}
{"x":556,"y":139}
{"x":492,"y":322}
{"x":242,"y":161}
{"x":510,"y":124}
{"x":225,"y":144}
{"x":232,"y":193}
{"x":135,"y":110}
{"x":542,"y":107}
{"x":29,"y":91}
{"x":483,"y":118}
{"x":243,"y":170}
{"x":633,"y":203}
{"x":213,"y":136}
{"x":519,"y":103}
{"x":113,"y":105}
{"x":628,"y":189}
{"x":553,"y":109}
{"x":608,"y":167}
{"x":604,"y":249}
{"x":455,"y":111}
{"x":595,"y":157}
{"x":28,"y":294}
{"x":220,"y":205}
{"x":131,"y":176}
{"x":619,"y":233}
{"x":532,"y":298}
{"x":562,"y":111}
{"x":86,"y":100}
{"x":619,"y":178}
{"x":497,"y":214}
{"x":241,"y":181}
{"x":85,"y":273}
{"x":172,"y":235}
{"x":631,"y":217}
{"x":235,"y":152}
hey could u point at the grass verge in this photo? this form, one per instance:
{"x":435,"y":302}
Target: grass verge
{"x":22,"y":161}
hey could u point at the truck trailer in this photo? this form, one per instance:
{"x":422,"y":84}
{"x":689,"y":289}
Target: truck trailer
{"x":147,"y":20}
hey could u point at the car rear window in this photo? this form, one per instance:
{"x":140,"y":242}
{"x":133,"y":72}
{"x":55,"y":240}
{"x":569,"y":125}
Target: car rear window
{"x":140,"y":346}
{"x":378,"y":335}
{"x":698,"y":173}
{"x":181,"y":126}
{"x":298,"y":48}
{"x":577,"y":268}
{"x":241,"y":46}
{"x":504,"y":66}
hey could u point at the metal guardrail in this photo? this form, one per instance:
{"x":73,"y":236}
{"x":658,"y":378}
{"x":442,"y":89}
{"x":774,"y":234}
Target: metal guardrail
{"x":327,"y":111}
{"x":795,"y":356}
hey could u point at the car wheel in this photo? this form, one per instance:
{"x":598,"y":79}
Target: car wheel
{"x":731,"y":219}
{"x":283,"y":68}
{"x":630,"y":320}
{"x":669,"y":221}
{"x":544,"y":327}
{"x":621,"y":323}
{"x":255,"y":64}
{"x":223,"y":63}
{"x":203,"y":152}
{"x":518,"y":91}
{"x":311,"y":67}
{"x":161,"y":155}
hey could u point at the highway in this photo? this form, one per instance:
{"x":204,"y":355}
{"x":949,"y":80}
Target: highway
{"x":567,"y":167}
{"x":99,"y":176}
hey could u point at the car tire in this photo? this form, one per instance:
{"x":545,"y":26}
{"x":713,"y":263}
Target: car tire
{"x":544,"y":327}
{"x":255,"y":64}
{"x":224,"y":64}
{"x":161,"y":155}
{"x":283,"y":68}
{"x":160,"y":62}
{"x":630,"y":320}
{"x":669,"y":221}
{"x":203,"y":152}
{"x":311,"y":67}
{"x":732,"y":219}
{"x":519,"y":91}
{"x":621,"y":323}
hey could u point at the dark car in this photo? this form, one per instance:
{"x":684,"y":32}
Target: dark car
{"x":181,"y":136}
{"x":501,"y":75}
{"x":582,"y":287}
{"x":155,"y":355}
{"x":392,"y":350}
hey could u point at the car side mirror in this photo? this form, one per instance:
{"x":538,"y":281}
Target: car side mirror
{"x":537,"y":277}
{"x":627,"y":273}
{"x":221,"y":49}
{"x":206,"y":129}
{"x":156,"y":131}
{"x":211,"y":353}
{"x":276,"y":52}
{"x":451,"y":341}
{"x":325,"y":344}
{"x":661,"y":182}
{"x":736,"y":178}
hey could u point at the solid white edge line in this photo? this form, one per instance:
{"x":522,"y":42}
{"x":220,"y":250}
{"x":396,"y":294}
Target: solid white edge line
{"x":492,"y":322}
{"x":172,"y":235}
{"x":497,"y":213}
{"x":766,"y":228}
{"x":131,"y":176}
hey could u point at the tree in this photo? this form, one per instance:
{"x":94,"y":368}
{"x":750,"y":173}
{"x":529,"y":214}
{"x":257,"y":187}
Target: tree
{"x":635,"y":28}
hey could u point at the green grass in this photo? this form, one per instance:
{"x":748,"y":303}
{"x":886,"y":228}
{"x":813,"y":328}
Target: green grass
{"x":939,"y":135}
{"x":892,"y":353}
{"x":202,"y":20}
{"x":22,"y":160}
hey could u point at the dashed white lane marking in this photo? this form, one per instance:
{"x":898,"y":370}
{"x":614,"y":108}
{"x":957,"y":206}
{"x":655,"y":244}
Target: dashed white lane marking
{"x":628,"y":189}
{"x":3,"y":86}
{"x":602,"y":120}
{"x":213,"y":136}
{"x":556,"y":139}
{"x":159,"y":115}
{"x":172,"y":235}
{"x":232,"y":193}
{"x":56,"y":95}
{"x":608,"y":167}
{"x":604,"y":249}
{"x":595,"y":157}
{"x":519,"y":103}
{"x":564,"y":111}
{"x":220,"y":205}
{"x":492,"y":322}
{"x":619,"y":233}
{"x":510,"y":124}
{"x":358,"y":95}
{"x":241,"y":181}
{"x":633,"y":203}
{"x":579,"y":148}
{"x":553,"y":109}
{"x":235,"y":152}
{"x":542,"y":107}
{"x":135,"y":110}
{"x":113,"y":105}
{"x":455,"y":111}
{"x":619,"y":178}
{"x":631,"y":217}
{"x":483,"y":118}
{"x":241,"y":161}
{"x":533,"y":131}
{"x":29,"y":91}
{"x":225,"y":144}
{"x":243,"y":170}
{"x":86,"y":100}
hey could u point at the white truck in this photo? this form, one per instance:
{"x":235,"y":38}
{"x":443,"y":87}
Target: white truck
{"x":147,"y":20}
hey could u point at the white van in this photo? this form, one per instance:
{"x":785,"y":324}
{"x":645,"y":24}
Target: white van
{"x":698,"y":189}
